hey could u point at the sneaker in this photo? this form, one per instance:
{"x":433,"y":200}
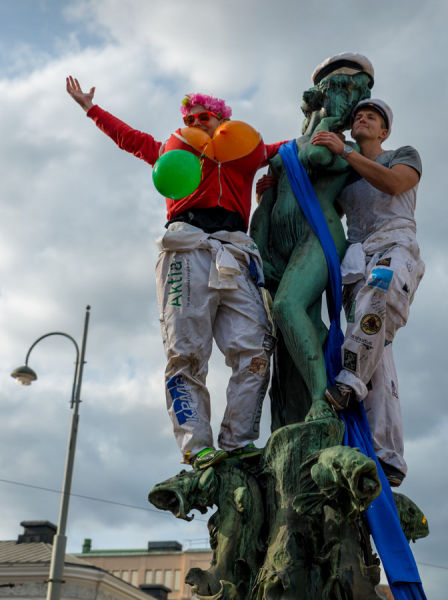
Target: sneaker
{"x":247,"y":451}
{"x":209,"y":457}
{"x":393,"y":475}
{"x":339,"y":396}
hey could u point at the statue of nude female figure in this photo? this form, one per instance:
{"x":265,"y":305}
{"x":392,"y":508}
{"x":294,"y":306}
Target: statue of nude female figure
{"x":295,"y":266}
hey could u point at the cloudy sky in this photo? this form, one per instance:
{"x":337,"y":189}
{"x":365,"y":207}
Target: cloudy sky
{"x":79,"y":220}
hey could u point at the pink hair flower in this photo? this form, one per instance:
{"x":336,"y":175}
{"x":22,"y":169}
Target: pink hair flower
{"x":216,"y":105}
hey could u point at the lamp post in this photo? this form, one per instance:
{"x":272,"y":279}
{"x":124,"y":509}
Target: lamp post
{"x":25,"y":375}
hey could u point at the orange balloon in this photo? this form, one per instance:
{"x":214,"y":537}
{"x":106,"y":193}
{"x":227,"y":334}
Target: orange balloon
{"x":199,"y":140}
{"x":234,"y":139}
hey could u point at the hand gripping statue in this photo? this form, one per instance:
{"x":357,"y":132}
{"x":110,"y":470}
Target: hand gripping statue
{"x":208,"y":275}
{"x":295,"y":266}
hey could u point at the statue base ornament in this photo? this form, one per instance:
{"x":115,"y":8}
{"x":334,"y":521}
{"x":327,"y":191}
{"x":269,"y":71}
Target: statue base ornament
{"x":289,"y":523}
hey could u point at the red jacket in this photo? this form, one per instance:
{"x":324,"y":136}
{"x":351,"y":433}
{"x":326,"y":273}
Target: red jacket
{"x":227,"y":184}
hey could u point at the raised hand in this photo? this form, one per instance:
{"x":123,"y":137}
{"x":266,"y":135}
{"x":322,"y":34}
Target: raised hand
{"x":82,"y":98}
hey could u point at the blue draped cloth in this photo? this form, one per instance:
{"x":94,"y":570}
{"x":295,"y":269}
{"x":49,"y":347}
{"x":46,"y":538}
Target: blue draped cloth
{"x":308,"y":202}
{"x":382,"y":516}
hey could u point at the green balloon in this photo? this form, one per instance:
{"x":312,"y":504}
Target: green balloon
{"x":177,"y":174}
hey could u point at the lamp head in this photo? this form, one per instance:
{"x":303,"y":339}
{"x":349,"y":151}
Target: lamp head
{"x":24,"y":375}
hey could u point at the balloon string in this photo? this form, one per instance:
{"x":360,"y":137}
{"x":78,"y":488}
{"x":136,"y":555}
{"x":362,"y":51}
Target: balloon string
{"x":203,"y":156}
{"x":205,"y":149}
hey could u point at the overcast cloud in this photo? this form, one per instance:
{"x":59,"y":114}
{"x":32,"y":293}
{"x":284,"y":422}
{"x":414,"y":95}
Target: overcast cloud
{"x":79,"y":219}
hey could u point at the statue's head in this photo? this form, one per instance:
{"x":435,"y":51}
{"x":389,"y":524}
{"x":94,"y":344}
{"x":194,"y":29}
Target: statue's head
{"x":340,"y":82}
{"x":186,"y":491}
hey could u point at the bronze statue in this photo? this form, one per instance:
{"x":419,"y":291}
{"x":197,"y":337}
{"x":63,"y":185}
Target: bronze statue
{"x":291,"y":523}
{"x":295,"y":266}
{"x":235,"y":528}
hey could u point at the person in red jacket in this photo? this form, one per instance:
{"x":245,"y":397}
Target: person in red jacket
{"x":209,"y":280}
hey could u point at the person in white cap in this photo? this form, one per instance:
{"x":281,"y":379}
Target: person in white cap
{"x":381,"y":269}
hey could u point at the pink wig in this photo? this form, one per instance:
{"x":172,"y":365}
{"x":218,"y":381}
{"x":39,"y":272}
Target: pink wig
{"x":216,"y":105}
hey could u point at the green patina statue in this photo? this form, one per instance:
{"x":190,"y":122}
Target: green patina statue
{"x":294,"y":262}
{"x":269,"y":534}
{"x":317,"y":491}
{"x":290,"y":524}
{"x":235,"y":528}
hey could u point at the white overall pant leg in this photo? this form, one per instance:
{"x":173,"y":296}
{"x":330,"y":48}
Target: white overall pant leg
{"x":191,"y":315}
{"x":378,"y":307}
{"x":242,"y":333}
{"x":187,"y":312}
{"x":383,"y":411}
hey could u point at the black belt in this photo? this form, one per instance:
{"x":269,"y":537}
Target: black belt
{"x":211,"y":219}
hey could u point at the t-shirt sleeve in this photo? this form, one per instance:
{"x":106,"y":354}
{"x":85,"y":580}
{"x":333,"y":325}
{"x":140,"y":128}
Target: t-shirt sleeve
{"x":407,"y":155}
{"x":140,"y":144}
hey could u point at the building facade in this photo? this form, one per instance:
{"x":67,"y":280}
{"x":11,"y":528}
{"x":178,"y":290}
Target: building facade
{"x":161,"y":563}
{"x":25,"y":567}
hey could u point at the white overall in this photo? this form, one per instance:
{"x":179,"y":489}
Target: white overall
{"x":377,"y":305}
{"x":205,"y":292}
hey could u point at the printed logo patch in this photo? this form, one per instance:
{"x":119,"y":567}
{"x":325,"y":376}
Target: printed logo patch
{"x":259,"y":366}
{"x":371,"y":324}
{"x":181,"y":396}
{"x":361,"y":340}
{"x":380,"y":278}
{"x":174,"y":280}
{"x":385,"y":262}
{"x":350,"y":360}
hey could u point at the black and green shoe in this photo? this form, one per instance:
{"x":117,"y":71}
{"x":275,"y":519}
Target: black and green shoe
{"x":339,"y":396}
{"x":208,"y":457}
{"x":247,"y":451}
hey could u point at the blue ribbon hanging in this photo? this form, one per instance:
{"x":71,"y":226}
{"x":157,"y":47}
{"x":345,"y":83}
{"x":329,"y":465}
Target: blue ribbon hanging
{"x":308,"y":202}
{"x":382,"y":516}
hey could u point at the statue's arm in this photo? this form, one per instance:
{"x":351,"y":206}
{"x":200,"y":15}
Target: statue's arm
{"x":260,"y":229}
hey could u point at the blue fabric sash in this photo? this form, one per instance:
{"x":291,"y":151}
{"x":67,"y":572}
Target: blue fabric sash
{"x":382,"y":516}
{"x":308,"y":202}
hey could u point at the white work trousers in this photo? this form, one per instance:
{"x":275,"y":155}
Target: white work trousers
{"x":377,"y":306}
{"x":192,"y":314}
{"x":383,"y":410}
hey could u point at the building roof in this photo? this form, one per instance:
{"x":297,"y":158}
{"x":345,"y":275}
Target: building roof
{"x":27,"y":564}
{"x":120,"y":552}
{"x":33,"y":552}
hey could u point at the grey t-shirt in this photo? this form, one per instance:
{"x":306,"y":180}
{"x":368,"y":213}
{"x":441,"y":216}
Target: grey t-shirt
{"x":375,"y":218}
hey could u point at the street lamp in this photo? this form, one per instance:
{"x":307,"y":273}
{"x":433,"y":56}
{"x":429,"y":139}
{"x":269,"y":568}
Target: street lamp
{"x":24,"y":376}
